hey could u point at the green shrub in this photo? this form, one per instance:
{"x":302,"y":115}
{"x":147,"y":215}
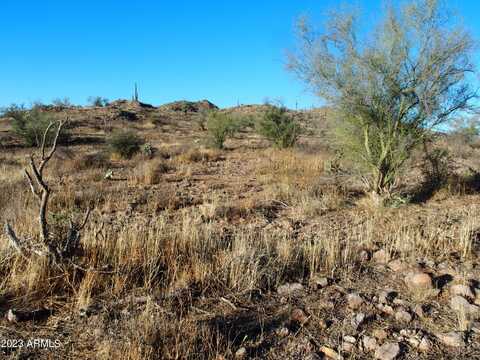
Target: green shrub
{"x":220,"y":126}
{"x":31,"y":126}
{"x":279,"y":127}
{"x":125,"y":143}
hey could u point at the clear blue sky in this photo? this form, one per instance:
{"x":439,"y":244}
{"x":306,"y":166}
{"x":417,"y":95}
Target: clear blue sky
{"x":224,"y":51}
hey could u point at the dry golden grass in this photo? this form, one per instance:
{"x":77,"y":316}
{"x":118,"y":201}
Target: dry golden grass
{"x":198,"y":155}
{"x":255,"y":221}
{"x":150,"y":172}
{"x":298,"y":180}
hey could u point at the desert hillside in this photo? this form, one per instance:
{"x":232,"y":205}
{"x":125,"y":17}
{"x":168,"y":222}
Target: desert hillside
{"x":245,"y":252}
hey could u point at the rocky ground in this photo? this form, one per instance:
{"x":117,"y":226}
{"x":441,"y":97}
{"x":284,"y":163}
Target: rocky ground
{"x":245,"y":253}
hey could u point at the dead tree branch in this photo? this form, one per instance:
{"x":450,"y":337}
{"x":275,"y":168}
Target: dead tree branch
{"x":57,"y":250}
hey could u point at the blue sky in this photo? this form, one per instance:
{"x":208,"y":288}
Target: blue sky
{"x":223,"y":51}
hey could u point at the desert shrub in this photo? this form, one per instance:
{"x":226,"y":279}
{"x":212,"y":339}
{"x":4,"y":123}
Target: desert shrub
{"x":389,"y":88}
{"x":220,"y":126}
{"x":97,"y":101}
{"x":125,"y":143}
{"x":279,"y":127}
{"x":63,"y":103}
{"x":13,"y":110}
{"x":31,"y":126}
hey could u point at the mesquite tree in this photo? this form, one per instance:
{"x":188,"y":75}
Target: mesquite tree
{"x":389,"y":88}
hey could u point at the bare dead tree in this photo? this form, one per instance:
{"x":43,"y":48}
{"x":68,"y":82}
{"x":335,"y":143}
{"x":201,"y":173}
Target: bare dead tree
{"x":54,"y":249}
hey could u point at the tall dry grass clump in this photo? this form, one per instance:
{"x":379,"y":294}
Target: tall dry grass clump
{"x":298,"y":179}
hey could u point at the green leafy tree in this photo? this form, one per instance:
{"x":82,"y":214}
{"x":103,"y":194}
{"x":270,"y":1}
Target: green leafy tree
{"x":390,"y":88}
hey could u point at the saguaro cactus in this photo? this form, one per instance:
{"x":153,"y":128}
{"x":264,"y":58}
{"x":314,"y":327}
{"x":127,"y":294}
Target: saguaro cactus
{"x":135,"y":93}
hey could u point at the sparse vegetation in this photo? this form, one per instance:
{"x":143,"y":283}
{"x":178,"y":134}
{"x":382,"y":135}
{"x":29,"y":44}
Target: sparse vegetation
{"x":125,"y":143}
{"x":356,"y":235}
{"x":170,"y":236}
{"x":279,"y":127}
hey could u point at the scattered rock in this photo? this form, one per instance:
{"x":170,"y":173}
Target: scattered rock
{"x":12,"y":316}
{"x":364,"y":255}
{"x":418,"y":310}
{"x":330,"y":353}
{"x":453,"y":338}
{"x":387,"y":309}
{"x":387,"y":351}
{"x":288,"y":289}
{"x":358,"y":320}
{"x":425,"y":345}
{"x":241,"y":353}
{"x":348,"y":347}
{"x":380,"y":334}
{"x":413,"y":341}
{"x":386,"y":296}
{"x":400,"y":302}
{"x":283,"y":332}
{"x":299,"y":316}
{"x":403,"y":316}
{"x":418,"y":281}
{"x":380,"y":257}
{"x":460,"y":304}
{"x":354,"y":301}
{"x":369,"y":343}
{"x":408,"y":332}
{"x":319,"y":282}
{"x":462,"y":290}
{"x":322,"y":324}
{"x":350,"y":339}
{"x":397,"y":265}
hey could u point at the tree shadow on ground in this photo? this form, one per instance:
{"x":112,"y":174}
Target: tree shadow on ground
{"x":455,"y":184}
{"x":236,"y":328}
